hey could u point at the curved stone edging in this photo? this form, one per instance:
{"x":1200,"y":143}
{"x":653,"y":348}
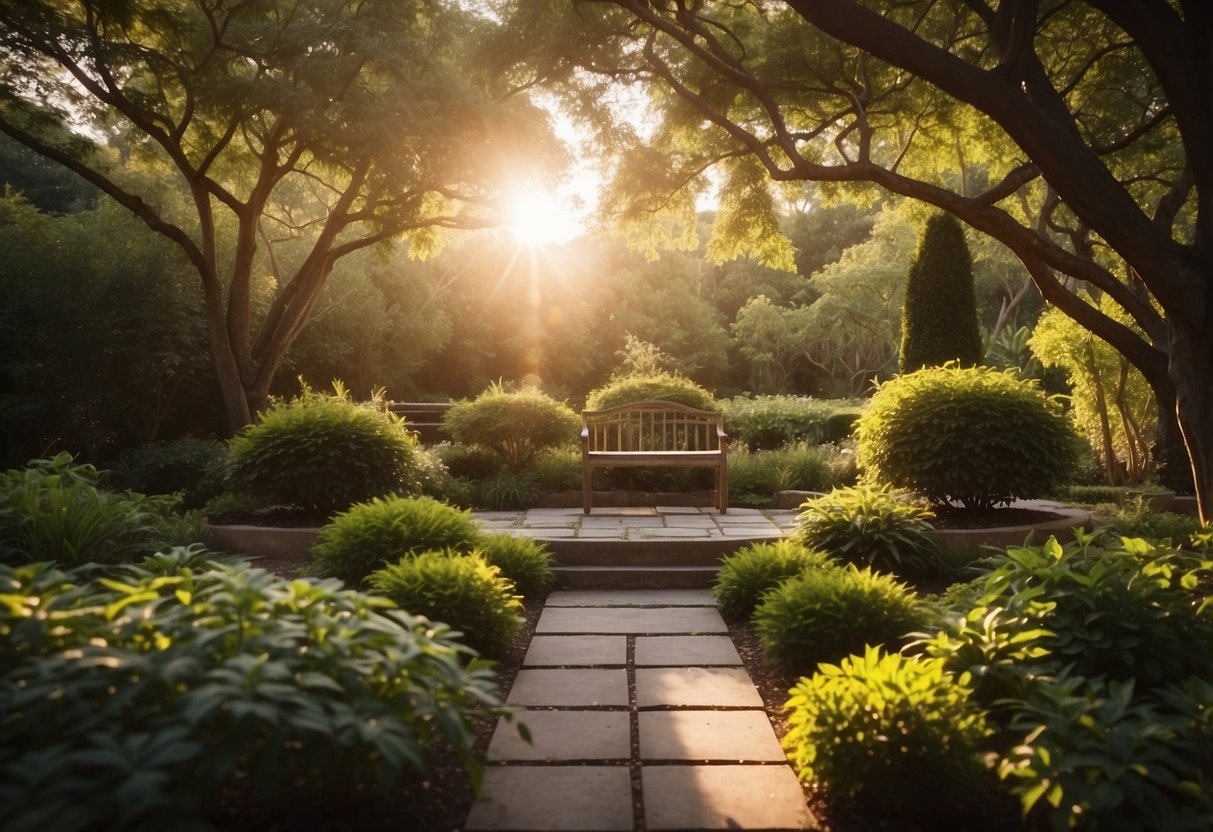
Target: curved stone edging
{"x":260,"y":541}
{"x":960,"y":546}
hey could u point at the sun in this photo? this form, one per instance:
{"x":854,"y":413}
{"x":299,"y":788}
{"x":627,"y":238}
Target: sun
{"x":539,"y":218}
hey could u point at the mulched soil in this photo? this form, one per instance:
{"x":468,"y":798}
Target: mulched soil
{"x":991,"y":518}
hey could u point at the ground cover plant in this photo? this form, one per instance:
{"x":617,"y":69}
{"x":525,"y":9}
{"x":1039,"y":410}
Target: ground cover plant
{"x":976,"y":437}
{"x":755,"y":478}
{"x":871,"y":526}
{"x":747,"y":574}
{"x":183,"y":692}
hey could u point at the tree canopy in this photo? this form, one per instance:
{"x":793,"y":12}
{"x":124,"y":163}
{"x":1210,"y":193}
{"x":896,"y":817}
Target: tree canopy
{"x":1077,"y":133}
{"x":268,"y":139}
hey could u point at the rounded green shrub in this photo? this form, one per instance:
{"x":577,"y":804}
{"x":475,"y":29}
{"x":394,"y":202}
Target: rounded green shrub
{"x":643,"y":387}
{"x":322,"y":453}
{"x":465,"y":592}
{"x":870,"y":526}
{"x":892,"y":736}
{"x":515,"y":425}
{"x":770,"y":422}
{"x":822,"y":615}
{"x":368,"y":535}
{"x":524,"y":560}
{"x":974,"y":436}
{"x":749,"y":572}
{"x":186,"y":694}
{"x":469,"y":462}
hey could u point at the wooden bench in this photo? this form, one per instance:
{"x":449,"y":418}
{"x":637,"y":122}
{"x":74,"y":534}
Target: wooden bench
{"x":654,"y":434}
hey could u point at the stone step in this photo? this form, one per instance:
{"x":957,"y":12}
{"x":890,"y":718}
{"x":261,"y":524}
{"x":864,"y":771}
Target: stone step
{"x":706,"y":552}
{"x":635,"y":577}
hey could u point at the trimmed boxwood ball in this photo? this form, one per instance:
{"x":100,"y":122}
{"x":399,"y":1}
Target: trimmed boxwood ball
{"x":752,"y":570}
{"x":322,"y":453}
{"x":371,"y":534}
{"x":823,"y":615}
{"x":643,"y":387}
{"x":465,"y":592}
{"x":970,"y":436}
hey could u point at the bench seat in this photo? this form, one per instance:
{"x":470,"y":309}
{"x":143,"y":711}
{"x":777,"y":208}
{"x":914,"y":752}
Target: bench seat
{"x":654,"y":434}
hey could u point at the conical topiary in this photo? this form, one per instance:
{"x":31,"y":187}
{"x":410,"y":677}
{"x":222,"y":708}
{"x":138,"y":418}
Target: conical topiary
{"x":939,"y":318}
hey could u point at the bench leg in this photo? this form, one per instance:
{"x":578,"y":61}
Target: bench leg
{"x":586,"y":483}
{"x":722,"y":489}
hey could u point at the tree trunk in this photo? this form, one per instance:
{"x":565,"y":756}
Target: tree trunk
{"x":1192,"y":373}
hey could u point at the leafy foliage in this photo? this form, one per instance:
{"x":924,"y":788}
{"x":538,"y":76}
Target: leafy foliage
{"x":462,"y":590}
{"x":191,"y":467}
{"x":1112,"y":402}
{"x":323,"y":453}
{"x":870,"y":526}
{"x":508,"y":491}
{"x":751,"y":571}
{"x":939,"y":317}
{"x":822,"y":615}
{"x":57,"y":511}
{"x":769,"y":422}
{"x":514,"y":425}
{"x":368,"y":535}
{"x":178,"y":691}
{"x":890,"y":735}
{"x":661,"y":386}
{"x":970,"y":435}
{"x":758,"y":477}
{"x":524,"y":560}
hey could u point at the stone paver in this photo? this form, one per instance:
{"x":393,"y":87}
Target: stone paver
{"x":556,"y":798}
{"x":667,"y":534}
{"x":570,"y":688}
{"x":696,"y":687}
{"x":557,"y":651}
{"x":723,"y":797}
{"x":666,"y":651}
{"x":631,"y":598}
{"x":641,"y":620}
{"x":565,"y":735}
{"x":689,"y":708}
{"x":708,"y":735}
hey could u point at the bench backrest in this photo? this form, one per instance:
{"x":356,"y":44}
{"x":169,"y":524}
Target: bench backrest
{"x":652,"y":426}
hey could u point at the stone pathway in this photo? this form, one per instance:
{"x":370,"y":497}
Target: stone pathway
{"x":642,"y":718}
{"x":641,"y":523}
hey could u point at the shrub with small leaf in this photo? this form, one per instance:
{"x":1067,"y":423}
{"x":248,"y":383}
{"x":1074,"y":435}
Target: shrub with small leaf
{"x":770,"y":422}
{"x":751,"y":571}
{"x":369,"y":535}
{"x":515,"y":425}
{"x":892,"y":737}
{"x":182,"y":693}
{"x":56,"y":510}
{"x":823,"y":615}
{"x":464,"y":591}
{"x":323,"y":453}
{"x":758,"y":476}
{"x":973,"y":436}
{"x":525,"y":561}
{"x":643,"y":387}
{"x":870,"y":526}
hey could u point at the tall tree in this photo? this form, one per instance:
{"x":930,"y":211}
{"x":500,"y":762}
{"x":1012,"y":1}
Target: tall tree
{"x":939,"y":314}
{"x":1090,"y":122}
{"x":295,"y":132}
